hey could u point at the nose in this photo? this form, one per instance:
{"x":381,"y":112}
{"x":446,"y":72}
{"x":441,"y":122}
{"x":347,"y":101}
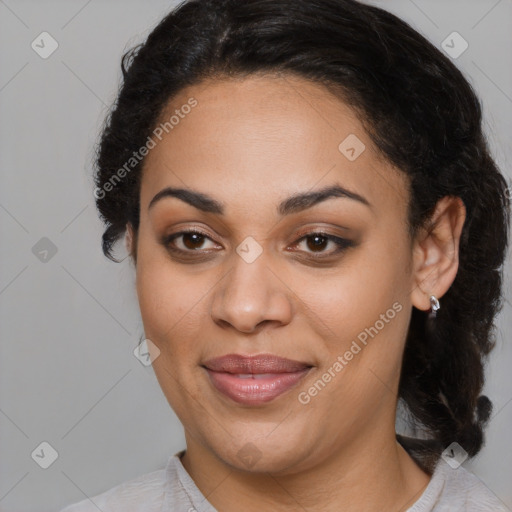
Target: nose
{"x":251,"y":297}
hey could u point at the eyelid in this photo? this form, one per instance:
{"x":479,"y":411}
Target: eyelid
{"x":317,"y":230}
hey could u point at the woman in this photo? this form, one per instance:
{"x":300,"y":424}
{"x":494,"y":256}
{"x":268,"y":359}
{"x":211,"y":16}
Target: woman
{"x":318,"y":231}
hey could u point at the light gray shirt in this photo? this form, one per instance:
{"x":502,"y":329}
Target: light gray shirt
{"x":172,"y":489}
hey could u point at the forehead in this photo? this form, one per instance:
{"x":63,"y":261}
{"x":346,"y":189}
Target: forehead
{"x":263,"y":138}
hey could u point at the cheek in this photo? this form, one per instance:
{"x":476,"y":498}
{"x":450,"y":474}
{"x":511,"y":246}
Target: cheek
{"x":366,"y":285}
{"x":159,"y":299}
{"x":172,"y":304}
{"x":164,"y":296}
{"x":363,"y":308}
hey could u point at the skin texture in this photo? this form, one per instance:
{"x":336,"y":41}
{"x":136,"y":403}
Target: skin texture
{"x":250,"y":143}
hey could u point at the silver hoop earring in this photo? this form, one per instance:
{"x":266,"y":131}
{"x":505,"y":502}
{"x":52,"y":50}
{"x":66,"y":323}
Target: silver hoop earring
{"x":434,"y":306}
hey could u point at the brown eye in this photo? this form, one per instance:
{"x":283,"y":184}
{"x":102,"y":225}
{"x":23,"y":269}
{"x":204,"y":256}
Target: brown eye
{"x":317,"y":244}
{"x":188,"y":242}
{"x":192,"y":240}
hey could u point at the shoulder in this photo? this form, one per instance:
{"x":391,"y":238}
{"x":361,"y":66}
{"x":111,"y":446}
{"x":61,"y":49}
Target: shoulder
{"x":452,"y":490}
{"x":144,"y":493}
{"x":170,"y":488}
{"x":471,"y":492}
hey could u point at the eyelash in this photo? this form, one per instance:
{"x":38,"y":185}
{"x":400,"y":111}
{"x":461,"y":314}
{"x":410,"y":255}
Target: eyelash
{"x":341,"y":243}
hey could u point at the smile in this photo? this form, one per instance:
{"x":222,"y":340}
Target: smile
{"x":255,"y":389}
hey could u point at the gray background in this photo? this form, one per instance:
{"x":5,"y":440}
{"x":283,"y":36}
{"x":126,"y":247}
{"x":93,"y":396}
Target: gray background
{"x":69,"y":325}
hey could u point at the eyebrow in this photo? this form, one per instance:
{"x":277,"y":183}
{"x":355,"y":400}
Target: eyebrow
{"x":293,"y":204}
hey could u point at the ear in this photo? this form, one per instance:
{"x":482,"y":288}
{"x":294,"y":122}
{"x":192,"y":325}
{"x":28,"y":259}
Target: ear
{"x":436,"y":252}
{"x":130,"y":241}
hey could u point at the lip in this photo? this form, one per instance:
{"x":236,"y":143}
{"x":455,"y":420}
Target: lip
{"x":254,"y":380}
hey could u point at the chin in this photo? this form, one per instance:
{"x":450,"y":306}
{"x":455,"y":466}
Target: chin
{"x":284,"y":454}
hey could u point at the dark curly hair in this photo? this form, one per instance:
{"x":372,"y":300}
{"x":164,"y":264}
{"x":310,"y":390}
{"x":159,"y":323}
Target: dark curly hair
{"x":421,"y":113}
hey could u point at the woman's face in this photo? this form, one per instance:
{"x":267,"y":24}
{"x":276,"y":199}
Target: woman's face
{"x":259,"y":280}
